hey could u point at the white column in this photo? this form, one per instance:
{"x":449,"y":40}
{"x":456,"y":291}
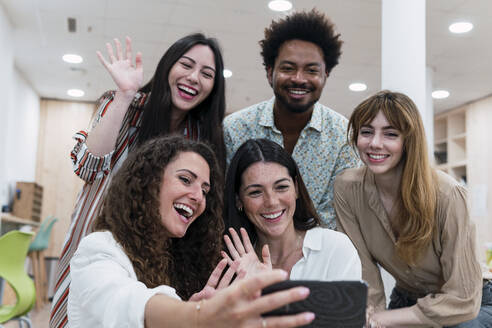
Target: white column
{"x":403,"y":66}
{"x":403,"y":53}
{"x":7,"y":107}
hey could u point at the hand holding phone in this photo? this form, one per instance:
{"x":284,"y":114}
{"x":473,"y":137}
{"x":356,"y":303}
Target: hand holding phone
{"x":335,"y":303}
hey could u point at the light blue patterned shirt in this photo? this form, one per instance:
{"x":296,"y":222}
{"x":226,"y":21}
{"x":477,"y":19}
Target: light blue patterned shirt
{"x":321,"y":152}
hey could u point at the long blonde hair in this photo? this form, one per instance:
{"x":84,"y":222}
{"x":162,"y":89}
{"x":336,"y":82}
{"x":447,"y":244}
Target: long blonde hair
{"x":418,"y":186}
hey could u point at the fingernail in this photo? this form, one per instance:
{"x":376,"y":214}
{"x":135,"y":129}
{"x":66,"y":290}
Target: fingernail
{"x":303,"y":291}
{"x":309,"y":316}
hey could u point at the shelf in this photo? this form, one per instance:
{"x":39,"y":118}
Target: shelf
{"x":456,"y":123}
{"x":457,"y":164}
{"x":450,"y":151}
{"x":442,"y":167}
{"x":459,"y":173}
{"x":457,"y":150}
{"x":440,"y":129}
{"x":441,"y":153}
{"x":14,"y":219}
{"x":461,"y":136}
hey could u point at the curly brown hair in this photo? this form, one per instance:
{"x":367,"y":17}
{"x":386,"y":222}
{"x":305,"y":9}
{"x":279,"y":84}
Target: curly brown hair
{"x":131,"y":213}
{"x":311,"y":26}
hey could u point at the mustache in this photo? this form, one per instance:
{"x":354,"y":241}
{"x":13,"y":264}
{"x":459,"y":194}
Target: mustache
{"x":306,"y":86}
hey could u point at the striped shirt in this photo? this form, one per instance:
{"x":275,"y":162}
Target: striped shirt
{"x":97,"y":172}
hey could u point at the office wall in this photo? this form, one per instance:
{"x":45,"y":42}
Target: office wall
{"x":19,"y":118}
{"x":59,"y":120}
{"x":478,"y":139}
{"x":22,"y":130}
{"x":6,"y":67}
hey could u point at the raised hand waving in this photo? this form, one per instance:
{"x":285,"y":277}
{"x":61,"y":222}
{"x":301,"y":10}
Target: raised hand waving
{"x":243,"y":254}
{"x":127,"y":75}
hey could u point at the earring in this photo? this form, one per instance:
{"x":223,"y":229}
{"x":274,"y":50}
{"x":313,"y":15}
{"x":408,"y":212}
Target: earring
{"x":240,"y":208}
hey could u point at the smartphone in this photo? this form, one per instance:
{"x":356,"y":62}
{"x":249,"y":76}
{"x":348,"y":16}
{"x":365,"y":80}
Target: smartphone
{"x":334,"y":303}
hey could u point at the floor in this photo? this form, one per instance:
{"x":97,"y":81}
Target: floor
{"x":39,"y":318}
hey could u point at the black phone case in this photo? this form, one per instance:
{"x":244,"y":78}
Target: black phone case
{"x":335,"y":303}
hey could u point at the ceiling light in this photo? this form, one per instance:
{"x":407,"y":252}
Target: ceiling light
{"x":75,"y":93}
{"x":280,"y":5}
{"x":72,"y":58}
{"x":357,"y":87}
{"x":227,"y":73}
{"x":440,"y":94}
{"x":461,"y":27}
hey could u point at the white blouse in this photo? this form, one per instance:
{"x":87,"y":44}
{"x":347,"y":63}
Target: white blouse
{"x":327,"y":255}
{"x":105,"y":291}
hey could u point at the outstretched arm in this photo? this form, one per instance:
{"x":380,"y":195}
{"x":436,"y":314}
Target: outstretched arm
{"x":238,"y":305}
{"x":104,"y":289}
{"x":128,"y":77}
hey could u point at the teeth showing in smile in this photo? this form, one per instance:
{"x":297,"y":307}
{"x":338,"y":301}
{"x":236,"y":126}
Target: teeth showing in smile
{"x":184,"y":210}
{"x":377,"y":156}
{"x":272,"y":216}
{"x":298,"y":92}
{"x":187,"y":90}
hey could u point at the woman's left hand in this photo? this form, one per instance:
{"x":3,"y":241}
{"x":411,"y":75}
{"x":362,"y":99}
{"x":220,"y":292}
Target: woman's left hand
{"x":243,"y":254}
{"x":214,"y":283}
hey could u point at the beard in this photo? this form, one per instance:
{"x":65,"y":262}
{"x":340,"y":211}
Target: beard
{"x":292,"y":105}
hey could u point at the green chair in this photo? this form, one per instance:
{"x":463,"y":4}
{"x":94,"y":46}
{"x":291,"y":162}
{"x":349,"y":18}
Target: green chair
{"x":13,"y":253}
{"x":42,"y":239}
{"x":36,"y":253}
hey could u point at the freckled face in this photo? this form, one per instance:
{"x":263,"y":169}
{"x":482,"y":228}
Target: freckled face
{"x":268,"y":195}
{"x":185,"y":183}
{"x":380,"y":146}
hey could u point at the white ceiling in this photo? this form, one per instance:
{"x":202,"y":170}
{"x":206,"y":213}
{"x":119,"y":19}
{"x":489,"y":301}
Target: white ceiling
{"x":461,"y":64}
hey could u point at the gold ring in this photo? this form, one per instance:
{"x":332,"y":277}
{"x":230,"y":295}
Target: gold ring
{"x":263,"y":323}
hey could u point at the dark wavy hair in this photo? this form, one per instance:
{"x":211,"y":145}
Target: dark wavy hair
{"x":208,"y":114}
{"x":131,"y":213}
{"x":264,"y":150}
{"x":311,"y":26}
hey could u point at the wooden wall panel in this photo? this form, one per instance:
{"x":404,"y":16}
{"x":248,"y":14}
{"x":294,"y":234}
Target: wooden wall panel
{"x":59,"y":120}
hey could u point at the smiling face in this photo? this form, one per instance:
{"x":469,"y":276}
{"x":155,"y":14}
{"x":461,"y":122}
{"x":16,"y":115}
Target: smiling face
{"x":191,"y":78}
{"x":185,"y":183}
{"x":298,"y":76}
{"x":380,"y":146}
{"x":268,"y":195}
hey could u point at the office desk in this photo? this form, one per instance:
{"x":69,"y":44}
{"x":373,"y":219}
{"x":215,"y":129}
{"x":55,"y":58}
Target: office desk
{"x":9,"y":222}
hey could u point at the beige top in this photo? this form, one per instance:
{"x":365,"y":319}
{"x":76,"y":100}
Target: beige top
{"x":447,"y":278}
